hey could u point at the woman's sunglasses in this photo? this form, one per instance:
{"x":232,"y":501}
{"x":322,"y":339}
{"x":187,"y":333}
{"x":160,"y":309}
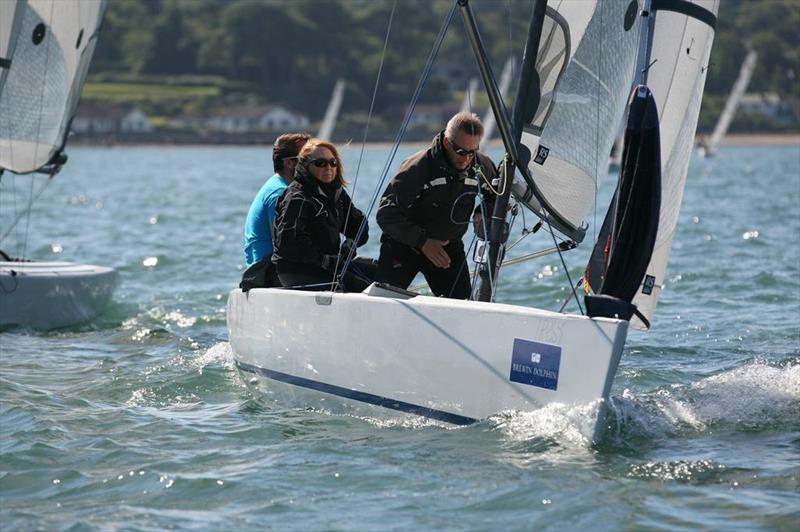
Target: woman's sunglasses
{"x":459,"y":150}
{"x":322,"y":163}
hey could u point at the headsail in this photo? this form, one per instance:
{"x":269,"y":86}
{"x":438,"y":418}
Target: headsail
{"x":681,"y":47}
{"x":585,"y":64}
{"x":52,"y":50}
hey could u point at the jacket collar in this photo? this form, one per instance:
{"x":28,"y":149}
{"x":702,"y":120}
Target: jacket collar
{"x":310,"y":184}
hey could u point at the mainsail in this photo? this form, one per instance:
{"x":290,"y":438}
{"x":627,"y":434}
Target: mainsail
{"x":10,"y":17}
{"x":332,"y":112}
{"x":505,"y":82}
{"x":681,"y":47}
{"x":585,"y":64}
{"x":739,"y":87}
{"x":468,"y":103}
{"x":52,"y":43}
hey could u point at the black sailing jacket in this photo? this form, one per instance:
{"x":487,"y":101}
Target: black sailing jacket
{"x":308,"y":222}
{"x":428,"y":198}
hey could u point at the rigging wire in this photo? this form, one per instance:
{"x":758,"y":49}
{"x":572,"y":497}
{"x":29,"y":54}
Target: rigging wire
{"x":46,"y":42}
{"x":364,"y":139}
{"x":401,"y":132}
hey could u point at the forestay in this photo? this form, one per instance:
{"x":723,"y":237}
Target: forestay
{"x":49,"y":45}
{"x":677,"y":74}
{"x":586,"y":63}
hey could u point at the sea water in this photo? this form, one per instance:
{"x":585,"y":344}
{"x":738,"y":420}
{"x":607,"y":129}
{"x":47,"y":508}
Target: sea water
{"x":139,"y":420}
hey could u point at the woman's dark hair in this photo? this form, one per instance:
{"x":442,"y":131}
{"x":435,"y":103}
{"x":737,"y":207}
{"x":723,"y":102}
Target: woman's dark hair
{"x":287,"y":145}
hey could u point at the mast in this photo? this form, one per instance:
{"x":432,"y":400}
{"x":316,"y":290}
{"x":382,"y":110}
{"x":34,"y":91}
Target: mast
{"x":498,"y":227}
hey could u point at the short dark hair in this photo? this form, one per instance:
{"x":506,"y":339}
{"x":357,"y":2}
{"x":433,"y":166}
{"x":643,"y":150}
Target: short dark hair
{"x":287,"y":145}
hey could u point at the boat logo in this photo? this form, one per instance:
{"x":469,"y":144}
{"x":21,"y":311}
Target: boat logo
{"x":535,"y":364}
{"x":541,"y":155}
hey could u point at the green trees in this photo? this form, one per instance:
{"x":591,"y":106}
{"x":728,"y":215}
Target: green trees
{"x":292,"y":52}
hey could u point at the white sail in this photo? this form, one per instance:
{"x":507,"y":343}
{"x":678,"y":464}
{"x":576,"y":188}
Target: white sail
{"x":586,"y":63}
{"x":489,"y":122}
{"x":332,"y":113}
{"x":469,"y":97}
{"x":54,"y":45}
{"x":679,"y":62}
{"x":739,"y":88}
{"x":10,"y":20}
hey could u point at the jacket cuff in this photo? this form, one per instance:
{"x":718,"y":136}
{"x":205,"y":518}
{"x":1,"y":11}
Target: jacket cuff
{"x":423,"y":237}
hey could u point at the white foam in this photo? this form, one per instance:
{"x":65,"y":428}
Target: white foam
{"x":754,"y":395}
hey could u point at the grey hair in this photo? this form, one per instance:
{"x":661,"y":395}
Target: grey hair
{"x":464,"y":121}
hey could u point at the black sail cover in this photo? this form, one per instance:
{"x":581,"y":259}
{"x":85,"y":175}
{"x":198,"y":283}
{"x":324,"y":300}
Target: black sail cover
{"x":620,"y":257}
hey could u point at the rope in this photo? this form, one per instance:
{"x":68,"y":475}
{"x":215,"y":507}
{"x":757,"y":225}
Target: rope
{"x":401,"y":132}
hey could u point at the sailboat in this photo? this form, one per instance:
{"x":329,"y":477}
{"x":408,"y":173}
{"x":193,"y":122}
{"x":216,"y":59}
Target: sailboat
{"x":45,"y":50}
{"x":387,"y":350}
{"x":332,"y":112}
{"x":468,"y":103}
{"x":489,"y":123}
{"x":709,"y":149}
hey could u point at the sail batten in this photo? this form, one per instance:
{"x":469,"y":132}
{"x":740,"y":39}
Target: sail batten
{"x":53,"y":46}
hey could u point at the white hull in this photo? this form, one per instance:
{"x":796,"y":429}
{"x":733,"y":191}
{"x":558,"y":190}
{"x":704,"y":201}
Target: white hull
{"x":454,"y":361}
{"x":50,"y":295}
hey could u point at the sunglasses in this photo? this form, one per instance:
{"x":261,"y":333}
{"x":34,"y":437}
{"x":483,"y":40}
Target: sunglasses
{"x":459,"y":150}
{"x":323,"y":163}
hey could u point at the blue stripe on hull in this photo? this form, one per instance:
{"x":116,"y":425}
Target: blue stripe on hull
{"x":355,"y":395}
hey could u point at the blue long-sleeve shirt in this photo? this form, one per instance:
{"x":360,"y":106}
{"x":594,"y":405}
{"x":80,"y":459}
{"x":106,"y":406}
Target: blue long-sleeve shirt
{"x":257,"y":237}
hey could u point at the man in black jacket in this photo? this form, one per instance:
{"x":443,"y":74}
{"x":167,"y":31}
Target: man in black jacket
{"x":426,"y":208}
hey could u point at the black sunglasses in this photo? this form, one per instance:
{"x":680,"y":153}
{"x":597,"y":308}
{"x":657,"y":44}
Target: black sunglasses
{"x":459,"y":150}
{"x":322,"y":163}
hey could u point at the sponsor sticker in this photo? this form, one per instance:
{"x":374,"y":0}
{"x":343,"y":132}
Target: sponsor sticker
{"x":541,"y":155}
{"x":649,"y":283}
{"x":535,"y":364}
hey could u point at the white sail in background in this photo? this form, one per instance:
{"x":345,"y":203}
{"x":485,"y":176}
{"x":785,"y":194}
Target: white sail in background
{"x":489,"y":123}
{"x":332,"y":113}
{"x":10,"y":21}
{"x":586,"y":63}
{"x":469,"y":97}
{"x":54,"y":45}
{"x":739,"y":88}
{"x":679,"y":62}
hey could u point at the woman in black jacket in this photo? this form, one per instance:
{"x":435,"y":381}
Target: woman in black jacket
{"x":310,"y":216}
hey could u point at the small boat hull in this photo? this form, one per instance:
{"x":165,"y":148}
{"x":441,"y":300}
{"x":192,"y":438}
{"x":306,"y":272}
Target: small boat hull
{"x":454,"y":361}
{"x":51,"y":295}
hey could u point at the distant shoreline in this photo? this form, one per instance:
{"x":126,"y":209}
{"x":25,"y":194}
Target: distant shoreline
{"x":755,"y":139}
{"x":737,"y":139}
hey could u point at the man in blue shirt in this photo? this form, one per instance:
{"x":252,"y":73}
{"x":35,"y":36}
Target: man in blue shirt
{"x":257,"y":235}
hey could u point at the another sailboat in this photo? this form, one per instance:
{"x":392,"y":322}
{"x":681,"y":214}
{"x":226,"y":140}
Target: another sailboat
{"x":388,"y":350}
{"x":45,"y":50}
{"x":332,"y":112}
{"x":709,"y":149}
{"x":468,"y":103}
{"x":489,"y":122}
